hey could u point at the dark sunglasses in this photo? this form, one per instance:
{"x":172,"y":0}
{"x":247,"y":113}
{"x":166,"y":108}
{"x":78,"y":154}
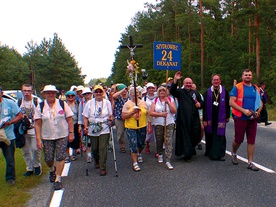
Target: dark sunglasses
{"x":98,"y":91}
{"x":70,"y":96}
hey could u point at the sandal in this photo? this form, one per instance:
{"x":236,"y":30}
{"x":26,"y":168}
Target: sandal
{"x":136,"y":167}
{"x":123,"y":150}
{"x":73,"y":158}
{"x":67,"y":159}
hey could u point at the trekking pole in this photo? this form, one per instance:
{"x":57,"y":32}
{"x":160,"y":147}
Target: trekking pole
{"x":114,"y":152}
{"x":86,"y":142}
{"x":80,"y":143}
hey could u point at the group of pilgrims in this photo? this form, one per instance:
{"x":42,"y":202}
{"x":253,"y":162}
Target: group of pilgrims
{"x":145,"y":116}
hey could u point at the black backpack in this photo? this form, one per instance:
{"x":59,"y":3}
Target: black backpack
{"x":21,"y":127}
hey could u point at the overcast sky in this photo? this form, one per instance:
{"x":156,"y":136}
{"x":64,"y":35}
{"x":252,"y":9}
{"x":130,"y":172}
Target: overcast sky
{"x":90,"y":29}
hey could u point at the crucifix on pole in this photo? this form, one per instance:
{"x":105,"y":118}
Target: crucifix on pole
{"x":131,"y":47}
{"x":133,"y":66}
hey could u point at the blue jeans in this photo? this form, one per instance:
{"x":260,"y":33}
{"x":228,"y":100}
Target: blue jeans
{"x":136,"y":138}
{"x":8,"y":152}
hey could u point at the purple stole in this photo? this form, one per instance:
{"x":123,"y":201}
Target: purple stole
{"x":221,"y":115}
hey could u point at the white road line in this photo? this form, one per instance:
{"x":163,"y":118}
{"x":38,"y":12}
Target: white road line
{"x":56,"y":199}
{"x":57,"y":195}
{"x":246,"y":161}
{"x":66,"y":169}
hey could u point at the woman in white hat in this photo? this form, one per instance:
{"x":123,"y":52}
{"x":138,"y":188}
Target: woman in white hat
{"x":54,"y":125}
{"x":97,"y":119}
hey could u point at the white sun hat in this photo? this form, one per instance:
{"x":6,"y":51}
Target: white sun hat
{"x":80,"y":88}
{"x":49,"y":88}
{"x":86,"y":90}
{"x":150,"y":85}
{"x":73,"y":87}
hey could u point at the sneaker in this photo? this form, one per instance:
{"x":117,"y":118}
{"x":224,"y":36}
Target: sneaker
{"x":140,"y":158}
{"x":38,"y":170}
{"x":52,"y":176}
{"x":251,"y":166}
{"x":267,"y":123}
{"x":28,"y":173}
{"x":57,"y":185}
{"x":89,"y":159}
{"x":234,"y":159}
{"x":160,"y":158}
{"x":11,"y":182}
{"x":169,"y":166}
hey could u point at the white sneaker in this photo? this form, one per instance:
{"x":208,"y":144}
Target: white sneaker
{"x":89,"y":159}
{"x":160,"y":158}
{"x":169,"y":166}
{"x":140,"y":159}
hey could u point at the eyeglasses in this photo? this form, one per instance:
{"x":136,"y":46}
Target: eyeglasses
{"x":98,"y":91}
{"x":70,"y":96}
{"x":86,"y":94}
{"x":27,"y":91}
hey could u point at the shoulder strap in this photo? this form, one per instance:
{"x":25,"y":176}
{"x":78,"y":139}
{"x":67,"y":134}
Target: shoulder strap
{"x":19,"y":102}
{"x":61,"y":102}
{"x":155,"y":100}
{"x":41,"y":106}
{"x":35,"y":101}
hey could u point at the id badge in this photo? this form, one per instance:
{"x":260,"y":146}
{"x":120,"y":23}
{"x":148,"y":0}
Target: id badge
{"x":215,"y":103}
{"x":6,"y":112}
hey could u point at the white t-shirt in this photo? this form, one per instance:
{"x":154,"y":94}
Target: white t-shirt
{"x":160,"y":107}
{"x":97,"y":112}
{"x":54,"y":124}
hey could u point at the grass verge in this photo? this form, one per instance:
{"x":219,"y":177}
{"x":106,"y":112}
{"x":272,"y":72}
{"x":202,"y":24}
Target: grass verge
{"x":19,"y":194}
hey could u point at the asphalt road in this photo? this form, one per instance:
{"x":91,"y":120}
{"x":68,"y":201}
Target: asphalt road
{"x":200,"y":183}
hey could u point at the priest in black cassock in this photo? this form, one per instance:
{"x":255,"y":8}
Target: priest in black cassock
{"x":188,"y":128}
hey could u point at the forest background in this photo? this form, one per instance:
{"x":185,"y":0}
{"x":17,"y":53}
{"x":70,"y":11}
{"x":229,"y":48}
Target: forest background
{"x":217,"y":36}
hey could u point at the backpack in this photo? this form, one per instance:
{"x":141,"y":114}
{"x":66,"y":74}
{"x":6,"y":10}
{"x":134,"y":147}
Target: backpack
{"x":21,"y":127}
{"x":61,"y":102}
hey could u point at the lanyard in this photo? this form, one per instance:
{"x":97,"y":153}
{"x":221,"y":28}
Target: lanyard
{"x":216,"y":95}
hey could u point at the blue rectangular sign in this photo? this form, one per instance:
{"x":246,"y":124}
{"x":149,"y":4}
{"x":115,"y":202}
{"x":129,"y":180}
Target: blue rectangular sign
{"x":166,"y":56}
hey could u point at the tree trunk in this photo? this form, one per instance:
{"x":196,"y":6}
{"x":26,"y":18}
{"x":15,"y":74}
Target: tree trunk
{"x":202,"y":45}
{"x":250,"y":44}
{"x":258,"y":42}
